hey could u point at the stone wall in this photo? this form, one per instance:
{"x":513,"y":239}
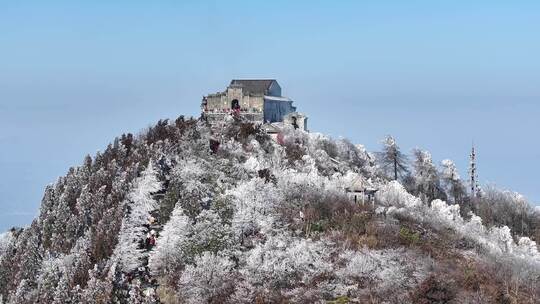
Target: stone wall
{"x":221,"y":116}
{"x":299,"y":118}
{"x":222,"y":101}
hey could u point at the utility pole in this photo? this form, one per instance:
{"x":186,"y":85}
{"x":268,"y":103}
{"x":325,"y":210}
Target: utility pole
{"x":395,"y":166}
{"x":473,"y":173}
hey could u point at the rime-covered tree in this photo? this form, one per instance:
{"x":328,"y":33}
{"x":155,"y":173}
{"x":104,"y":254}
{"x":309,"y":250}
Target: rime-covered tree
{"x":452,"y":181}
{"x":7,"y":241}
{"x":49,"y":278}
{"x":25,"y":293}
{"x":426,"y":176}
{"x":63,"y":294}
{"x":31,"y":256}
{"x":209,"y":280}
{"x":391,"y":159}
{"x":133,"y":230}
{"x":99,"y":288}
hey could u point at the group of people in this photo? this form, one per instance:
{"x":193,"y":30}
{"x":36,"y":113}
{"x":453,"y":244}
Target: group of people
{"x":150,"y":240}
{"x":139,"y":280}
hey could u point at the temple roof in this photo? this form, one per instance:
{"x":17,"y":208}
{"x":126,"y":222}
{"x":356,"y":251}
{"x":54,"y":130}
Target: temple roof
{"x":254,"y":86}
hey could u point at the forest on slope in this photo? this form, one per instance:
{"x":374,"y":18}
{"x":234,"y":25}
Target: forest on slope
{"x":182,"y":213}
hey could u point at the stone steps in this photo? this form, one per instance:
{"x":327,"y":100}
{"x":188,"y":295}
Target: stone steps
{"x":148,"y":284}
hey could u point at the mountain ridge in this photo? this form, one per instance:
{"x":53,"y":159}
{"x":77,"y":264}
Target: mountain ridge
{"x":251,"y":220}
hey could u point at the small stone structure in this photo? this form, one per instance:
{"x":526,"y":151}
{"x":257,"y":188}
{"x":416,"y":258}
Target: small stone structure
{"x":361,"y":191}
{"x":254,"y":100}
{"x":297,"y":120}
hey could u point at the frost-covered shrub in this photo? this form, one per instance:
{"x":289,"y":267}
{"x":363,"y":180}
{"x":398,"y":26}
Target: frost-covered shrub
{"x":498,"y":241}
{"x":284,"y":262}
{"x":360,"y":275}
{"x":474,"y":225}
{"x":330,"y":155}
{"x":190,"y":180}
{"x":393,"y":194}
{"x":508,"y":208}
{"x":254,"y":206}
{"x":526,"y":247}
{"x":382,"y":270}
{"x":209,"y":233}
{"x":434,"y":290}
{"x":209,"y":280}
{"x":183,"y":239}
{"x":448,"y":213}
{"x":295,"y":144}
{"x":312,"y":202}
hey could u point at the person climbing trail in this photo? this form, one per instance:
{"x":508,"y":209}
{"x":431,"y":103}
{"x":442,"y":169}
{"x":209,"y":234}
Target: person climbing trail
{"x":140,"y":282}
{"x":152,"y":240}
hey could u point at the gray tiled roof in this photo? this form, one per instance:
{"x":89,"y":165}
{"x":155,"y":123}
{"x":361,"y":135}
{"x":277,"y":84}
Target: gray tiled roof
{"x":254,"y":86}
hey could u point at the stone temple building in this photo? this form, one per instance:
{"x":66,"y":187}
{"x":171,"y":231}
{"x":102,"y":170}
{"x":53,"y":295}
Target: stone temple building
{"x":254,"y":100}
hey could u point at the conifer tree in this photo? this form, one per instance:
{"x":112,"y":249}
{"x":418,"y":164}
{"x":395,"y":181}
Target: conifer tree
{"x":452,"y":181}
{"x":426,"y":176}
{"x":391,"y":160}
{"x":26,"y":293}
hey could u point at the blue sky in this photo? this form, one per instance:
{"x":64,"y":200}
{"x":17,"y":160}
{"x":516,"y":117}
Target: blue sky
{"x":435,"y":74}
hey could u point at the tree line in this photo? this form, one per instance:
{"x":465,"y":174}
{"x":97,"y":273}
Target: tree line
{"x":422,"y":178}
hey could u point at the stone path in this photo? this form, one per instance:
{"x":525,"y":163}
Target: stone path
{"x":149,"y":284}
{"x":140,"y":281}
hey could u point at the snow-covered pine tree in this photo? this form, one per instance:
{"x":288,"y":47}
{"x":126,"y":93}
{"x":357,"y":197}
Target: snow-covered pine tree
{"x":426,"y":176}
{"x":132,"y":232}
{"x":99,"y":288}
{"x":391,"y":159}
{"x":452,"y":181}
{"x":25,"y":293}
